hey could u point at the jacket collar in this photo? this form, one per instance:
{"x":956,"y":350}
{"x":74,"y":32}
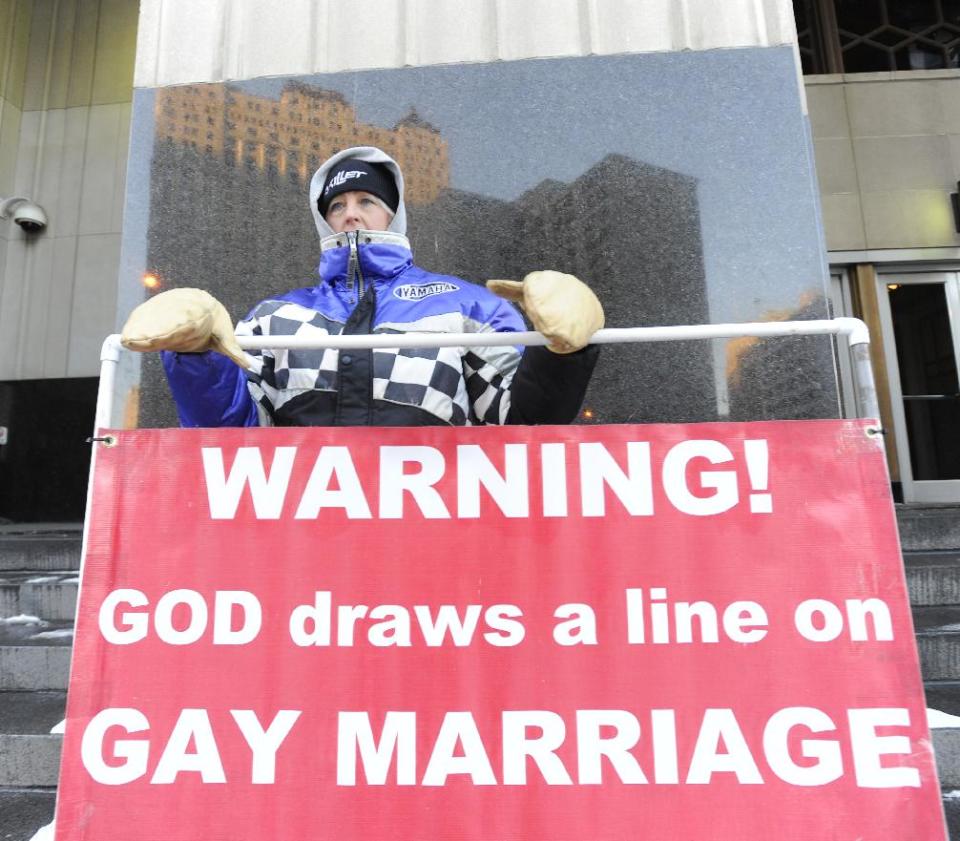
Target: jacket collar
{"x":382,"y":255}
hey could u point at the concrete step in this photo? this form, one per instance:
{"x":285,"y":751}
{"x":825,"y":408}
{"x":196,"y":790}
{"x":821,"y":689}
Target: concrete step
{"x":926,"y":528}
{"x":35,"y":655}
{"x":34,"y":667}
{"x":29,"y":754}
{"x":51,"y":595}
{"x":933,"y":578}
{"x":946,"y":747}
{"x":29,"y":761}
{"x":31,"y":713}
{"x":951,"y":811}
{"x":33,"y":631}
{"x":24,"y":811}
{"x":943,"y":695}
{"x":938,"y":641}
{"x":40,"y":550}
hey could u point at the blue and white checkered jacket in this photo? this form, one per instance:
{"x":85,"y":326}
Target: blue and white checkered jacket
{"x":368,"y":284}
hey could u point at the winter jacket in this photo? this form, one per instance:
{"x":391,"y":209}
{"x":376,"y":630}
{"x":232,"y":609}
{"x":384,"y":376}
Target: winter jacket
{"x":368,"y":284}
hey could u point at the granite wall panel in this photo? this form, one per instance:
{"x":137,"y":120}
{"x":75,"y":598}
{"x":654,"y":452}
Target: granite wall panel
{"x":678,"y":185}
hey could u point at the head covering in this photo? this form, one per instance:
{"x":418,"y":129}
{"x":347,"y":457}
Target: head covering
{"x":348,"y":160}
{"x":353,"y":174}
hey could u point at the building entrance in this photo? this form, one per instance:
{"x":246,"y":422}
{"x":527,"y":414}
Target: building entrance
{"x":920,"y":319}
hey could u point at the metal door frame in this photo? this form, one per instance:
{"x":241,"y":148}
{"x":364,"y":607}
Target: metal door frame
{"x":916,"y":490}
{"x":841,"y":304}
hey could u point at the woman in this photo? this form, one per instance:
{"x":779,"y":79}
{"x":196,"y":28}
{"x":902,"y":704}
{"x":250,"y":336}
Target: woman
{"x":369,"y":284}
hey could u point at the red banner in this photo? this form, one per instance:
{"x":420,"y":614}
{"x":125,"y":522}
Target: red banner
{"x":547,"y":634}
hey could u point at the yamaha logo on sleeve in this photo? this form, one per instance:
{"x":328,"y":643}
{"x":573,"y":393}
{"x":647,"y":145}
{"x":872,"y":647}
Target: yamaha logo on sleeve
{"x":416,"y":292}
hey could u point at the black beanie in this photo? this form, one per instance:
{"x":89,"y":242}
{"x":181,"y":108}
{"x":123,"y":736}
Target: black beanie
{"x":352,"y":174}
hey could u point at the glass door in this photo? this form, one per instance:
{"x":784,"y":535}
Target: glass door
{"x":920,"y":316}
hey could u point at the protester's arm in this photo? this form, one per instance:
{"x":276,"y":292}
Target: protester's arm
{"x":203,"y":362}
{"x":209,"y":390}
{"x":536,"y":385}
{"x":550,"y":383}
{"x":550,"y":387}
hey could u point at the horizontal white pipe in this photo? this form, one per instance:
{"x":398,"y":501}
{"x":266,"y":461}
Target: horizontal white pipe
{"x":855,"y":330}
{"x":110,"y":349}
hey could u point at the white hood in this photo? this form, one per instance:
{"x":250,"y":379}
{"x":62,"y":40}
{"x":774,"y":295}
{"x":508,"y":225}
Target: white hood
{"x":364,"y":153}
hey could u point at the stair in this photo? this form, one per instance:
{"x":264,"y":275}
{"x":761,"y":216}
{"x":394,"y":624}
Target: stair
{"x":930,"y":540}
{"x":38,"y":595}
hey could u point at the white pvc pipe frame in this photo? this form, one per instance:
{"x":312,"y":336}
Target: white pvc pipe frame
{"x":856,"y":332}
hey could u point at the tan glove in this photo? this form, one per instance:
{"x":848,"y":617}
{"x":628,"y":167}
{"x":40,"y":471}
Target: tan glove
{"x":185,"y":320}
{"x":561,"y":306}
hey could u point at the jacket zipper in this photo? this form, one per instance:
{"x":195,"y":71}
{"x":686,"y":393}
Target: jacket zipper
{"x":353,"y":266}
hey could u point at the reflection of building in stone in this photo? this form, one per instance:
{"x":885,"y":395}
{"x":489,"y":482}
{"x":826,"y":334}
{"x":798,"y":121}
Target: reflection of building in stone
{"x":782,"y":377}
{"x":629,"y":230}
{"x":294,"y":134}
{"x":738,"y":349}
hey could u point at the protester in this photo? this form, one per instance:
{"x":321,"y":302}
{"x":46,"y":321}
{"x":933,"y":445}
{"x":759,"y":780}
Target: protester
{"x":368,"y":284}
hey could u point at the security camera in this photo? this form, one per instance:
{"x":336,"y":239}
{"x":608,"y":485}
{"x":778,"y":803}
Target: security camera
{"x":29,"y":216}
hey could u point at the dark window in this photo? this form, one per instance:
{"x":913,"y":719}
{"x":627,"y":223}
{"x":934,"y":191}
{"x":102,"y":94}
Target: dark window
{"x":866,"y":36}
